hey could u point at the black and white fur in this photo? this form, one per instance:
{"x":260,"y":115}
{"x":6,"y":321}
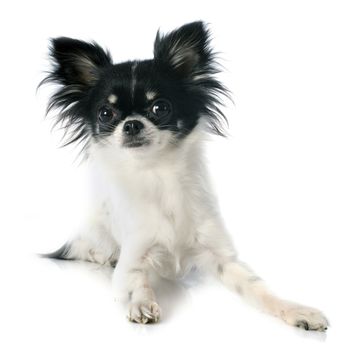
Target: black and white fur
{"x":142,"y":125}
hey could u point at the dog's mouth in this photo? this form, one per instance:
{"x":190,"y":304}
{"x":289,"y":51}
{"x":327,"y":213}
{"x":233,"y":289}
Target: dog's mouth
{"x":136,"y":142}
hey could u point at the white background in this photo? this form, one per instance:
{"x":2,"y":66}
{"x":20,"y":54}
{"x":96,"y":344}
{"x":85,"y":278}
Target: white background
{"x":282,"y":176}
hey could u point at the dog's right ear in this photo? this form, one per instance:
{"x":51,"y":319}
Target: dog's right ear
{"x":76,"y":68}
{"x":76,"y":62}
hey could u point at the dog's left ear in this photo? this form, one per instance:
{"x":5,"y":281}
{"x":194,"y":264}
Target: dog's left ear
{"x":185,"y":50}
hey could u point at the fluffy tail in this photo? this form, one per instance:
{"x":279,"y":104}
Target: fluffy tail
{"x":104,"y":252}
{"x":62,"y":253}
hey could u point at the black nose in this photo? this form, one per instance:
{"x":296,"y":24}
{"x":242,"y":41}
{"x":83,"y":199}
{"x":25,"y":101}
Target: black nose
{"x":132,"y":127}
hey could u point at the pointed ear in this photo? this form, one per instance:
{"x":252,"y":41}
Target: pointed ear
{"x":186,"y":50}
{"x":76,"y":67}
{"x":77,"y":62}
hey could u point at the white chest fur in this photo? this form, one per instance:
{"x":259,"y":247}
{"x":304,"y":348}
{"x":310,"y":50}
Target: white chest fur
{"x":157,"y":202}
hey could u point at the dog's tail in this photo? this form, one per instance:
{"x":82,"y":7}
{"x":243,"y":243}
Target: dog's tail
{"x":104,"y":252}
{"x":63,"y":253}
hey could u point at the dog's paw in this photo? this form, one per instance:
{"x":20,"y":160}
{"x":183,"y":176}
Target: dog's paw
{"x":305,"y":317}
{"x":144,"y":312}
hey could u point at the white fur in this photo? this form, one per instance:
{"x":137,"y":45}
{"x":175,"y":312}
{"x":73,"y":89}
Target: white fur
{"x":150,"y":95}
{"x":112,"y":98}
{"x":154,"y":210}
{"x":179,"y":124}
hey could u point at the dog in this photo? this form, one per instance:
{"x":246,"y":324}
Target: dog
{"x":142,"y":126}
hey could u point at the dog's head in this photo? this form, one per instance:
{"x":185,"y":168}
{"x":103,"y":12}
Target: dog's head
{"x":138,"y":105}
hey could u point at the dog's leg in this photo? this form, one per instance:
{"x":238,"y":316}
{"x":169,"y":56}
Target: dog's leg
{"x":219,"y":255}
{"x":240,"y":278}
{"x":131,"y":281}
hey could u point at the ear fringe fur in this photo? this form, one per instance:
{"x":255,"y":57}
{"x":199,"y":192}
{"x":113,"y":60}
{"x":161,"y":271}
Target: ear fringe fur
{"x":75,"y":67}
{"x":188,"y":52}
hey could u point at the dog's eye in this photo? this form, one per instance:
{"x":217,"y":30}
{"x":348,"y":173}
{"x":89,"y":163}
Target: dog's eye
{"x":106,"y":114}
{"x":161,"y":109}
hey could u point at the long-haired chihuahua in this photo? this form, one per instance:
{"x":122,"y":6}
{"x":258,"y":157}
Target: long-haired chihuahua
{"x":142,"y":125}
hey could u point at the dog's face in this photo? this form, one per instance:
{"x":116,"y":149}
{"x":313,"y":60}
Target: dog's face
{"x":137,"y":105}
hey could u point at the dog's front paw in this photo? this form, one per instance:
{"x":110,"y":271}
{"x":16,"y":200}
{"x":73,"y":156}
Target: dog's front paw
{"x":305,"y":317}
{"x":144,"y":312}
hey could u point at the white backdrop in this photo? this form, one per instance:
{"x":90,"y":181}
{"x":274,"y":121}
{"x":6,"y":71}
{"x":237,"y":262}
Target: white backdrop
{"x":282,"y":176}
